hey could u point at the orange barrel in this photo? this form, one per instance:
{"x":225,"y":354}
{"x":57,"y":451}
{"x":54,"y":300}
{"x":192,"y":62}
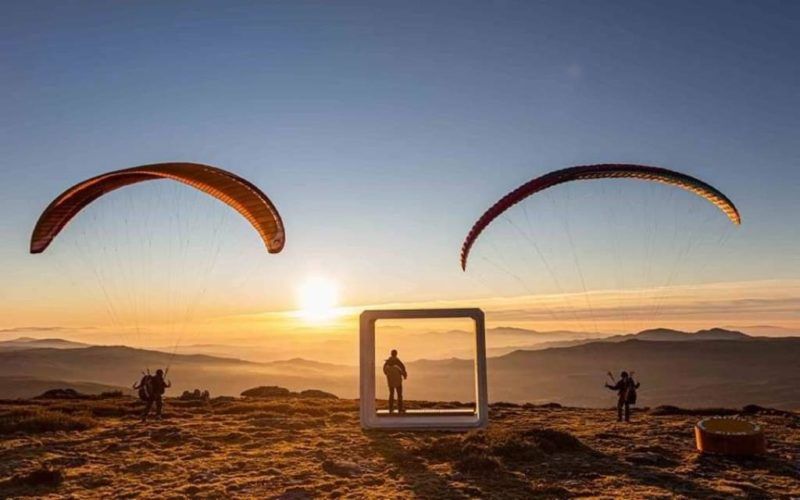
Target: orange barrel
{"x":729,"y":436}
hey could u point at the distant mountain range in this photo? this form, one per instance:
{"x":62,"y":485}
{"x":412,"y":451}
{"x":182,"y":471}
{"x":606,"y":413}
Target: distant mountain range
{"x":691,"y":374}
{"x":547,"y":340}
{"x":667,"y":335}
{"x":122,"y":366}
{"x":32,"y":343}
{"x":12,"y":387}
{"x":716,"y":367}
{"x":767,"y":330}
{"x":343,"y":349}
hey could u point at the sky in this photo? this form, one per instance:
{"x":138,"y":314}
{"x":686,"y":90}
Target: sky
{"x":381,"y":131}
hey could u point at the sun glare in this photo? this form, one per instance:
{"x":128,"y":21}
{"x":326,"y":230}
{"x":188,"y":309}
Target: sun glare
{"x":318,"y":298}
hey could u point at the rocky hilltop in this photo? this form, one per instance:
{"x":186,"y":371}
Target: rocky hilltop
{"x":297,"y":448}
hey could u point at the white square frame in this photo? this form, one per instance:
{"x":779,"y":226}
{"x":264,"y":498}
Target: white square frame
{"x":369,"y":416}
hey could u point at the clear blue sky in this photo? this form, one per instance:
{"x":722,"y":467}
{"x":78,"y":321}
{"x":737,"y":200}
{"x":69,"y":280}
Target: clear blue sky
{"x":382,"y":130}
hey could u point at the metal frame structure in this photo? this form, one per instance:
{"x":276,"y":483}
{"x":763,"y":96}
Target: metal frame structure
{"x":424,"y":419}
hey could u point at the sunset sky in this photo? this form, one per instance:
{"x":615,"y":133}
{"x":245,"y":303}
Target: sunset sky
{"x":381,"y":131}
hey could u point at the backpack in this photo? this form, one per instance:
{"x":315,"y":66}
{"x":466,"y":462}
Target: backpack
{"x":146,"y":388}
{"x":394,"y":374}
{"x":630,"y":392}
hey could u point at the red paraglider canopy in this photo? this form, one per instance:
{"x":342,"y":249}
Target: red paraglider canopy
{"x":601,"y":171}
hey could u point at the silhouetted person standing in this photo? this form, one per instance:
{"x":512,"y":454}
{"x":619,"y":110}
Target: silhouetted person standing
{"x":157,"y":386}
{"x":395,"y":372}
{"x":626,"y":395}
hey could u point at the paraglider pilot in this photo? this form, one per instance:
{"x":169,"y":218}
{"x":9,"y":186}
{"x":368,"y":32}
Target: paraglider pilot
{"x":151,"y":390}
{"x":395,"y":372}
{"x":626,"y":394}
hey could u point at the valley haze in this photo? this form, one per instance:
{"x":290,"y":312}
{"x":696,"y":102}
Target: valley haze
{"x":717,"y":367}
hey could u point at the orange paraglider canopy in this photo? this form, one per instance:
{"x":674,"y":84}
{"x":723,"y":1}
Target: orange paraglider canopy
{"x":234,"y":191}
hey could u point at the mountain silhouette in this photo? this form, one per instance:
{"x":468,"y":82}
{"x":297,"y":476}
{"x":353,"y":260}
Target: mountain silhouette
{"x":693,"y":373}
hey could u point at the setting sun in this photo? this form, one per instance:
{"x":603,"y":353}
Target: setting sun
{"x":318,"y":298}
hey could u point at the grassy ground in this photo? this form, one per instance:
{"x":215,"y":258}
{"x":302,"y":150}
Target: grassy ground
{"x":307,"y":448}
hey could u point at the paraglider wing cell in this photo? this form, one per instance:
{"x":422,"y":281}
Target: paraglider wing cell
{"x":225,"y":186}
{"x":602,"y":171}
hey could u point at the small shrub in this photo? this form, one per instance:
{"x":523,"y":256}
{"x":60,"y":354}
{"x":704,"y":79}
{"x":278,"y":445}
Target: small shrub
{"x":62,"y":394}
{"x":195,"y":395}
{"x":504,"y":404}
{"x":317,"y":394}
{"x":510,"y":448}
{"x":476,"y":462}
{"x":340,"y":417}
{"x":42,"y":477}
{"x":551,"y":406}
{"x":111,"y":395}
{"x":551,"y":441}
{"x":222,"y":400}
{"x":700,"y":412}
{"x":110,"y":410}
{"x":272,"y":391}
{"x":760,"y":410}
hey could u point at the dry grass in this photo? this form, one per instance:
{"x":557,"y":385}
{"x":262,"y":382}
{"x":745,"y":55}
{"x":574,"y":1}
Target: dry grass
{"x":37,"y":420}
{"x":488,"y":451}
{"x":300,"y":448}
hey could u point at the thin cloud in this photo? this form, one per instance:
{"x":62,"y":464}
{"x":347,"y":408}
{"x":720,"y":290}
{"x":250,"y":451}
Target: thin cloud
{"x":43,"y":329}
{"x":774,"y":302}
